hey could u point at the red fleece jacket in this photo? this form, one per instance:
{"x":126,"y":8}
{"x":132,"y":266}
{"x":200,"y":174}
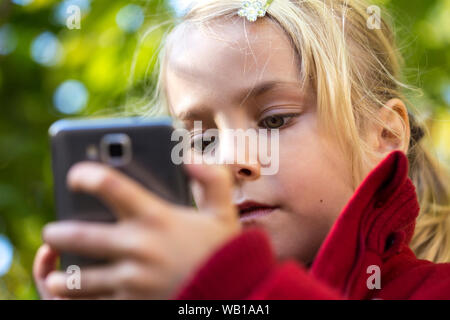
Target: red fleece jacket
{"x":373,"y":231}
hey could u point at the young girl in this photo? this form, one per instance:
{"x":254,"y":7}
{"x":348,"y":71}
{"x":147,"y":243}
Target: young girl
{"x":335,"y":221}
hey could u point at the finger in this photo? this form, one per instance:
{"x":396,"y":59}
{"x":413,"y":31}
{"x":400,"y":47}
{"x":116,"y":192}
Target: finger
{"x":44,"y":263}
{"x":216,"y":186}
{"x":105,"y":282}
{"x":95,"y":297}
{"x":126,"y":197}
{"x":97,"y":240}
{"x":91,"y":282}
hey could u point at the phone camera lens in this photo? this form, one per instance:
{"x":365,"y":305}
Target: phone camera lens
{"x":115,"y":150}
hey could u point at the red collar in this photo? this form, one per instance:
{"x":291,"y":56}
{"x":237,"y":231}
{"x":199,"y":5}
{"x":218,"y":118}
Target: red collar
{"x":379,"y":219}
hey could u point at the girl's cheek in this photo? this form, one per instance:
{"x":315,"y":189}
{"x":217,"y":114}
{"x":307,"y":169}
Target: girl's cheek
{"x":298,"y":147}
{"x":306,"y":173}
{"x":313,"y":173}
{"x":296,"y":168}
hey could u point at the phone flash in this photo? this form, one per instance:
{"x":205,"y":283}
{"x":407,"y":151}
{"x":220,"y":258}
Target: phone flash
{"x":92,"y":152}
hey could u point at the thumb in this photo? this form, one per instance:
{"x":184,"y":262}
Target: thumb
{"x":216,"y":184}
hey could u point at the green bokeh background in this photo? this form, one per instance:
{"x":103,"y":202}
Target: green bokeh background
{"x":100,"y":55}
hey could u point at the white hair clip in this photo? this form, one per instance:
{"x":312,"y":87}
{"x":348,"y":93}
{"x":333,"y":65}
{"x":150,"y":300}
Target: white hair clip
{"x":253,"y":9}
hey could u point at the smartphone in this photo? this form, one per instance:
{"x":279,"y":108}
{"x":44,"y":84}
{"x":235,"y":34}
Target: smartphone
{"x":138,"y":147}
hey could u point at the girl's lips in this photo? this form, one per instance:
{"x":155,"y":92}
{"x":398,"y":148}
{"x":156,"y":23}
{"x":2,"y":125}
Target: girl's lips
{"x":250,"y":210}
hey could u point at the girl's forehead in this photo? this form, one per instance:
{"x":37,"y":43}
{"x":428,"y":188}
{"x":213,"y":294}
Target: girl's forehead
{"x":232,"y":42}
{"x":226,"y":58}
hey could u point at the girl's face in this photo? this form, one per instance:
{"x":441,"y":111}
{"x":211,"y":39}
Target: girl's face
{"x":210,"y":79}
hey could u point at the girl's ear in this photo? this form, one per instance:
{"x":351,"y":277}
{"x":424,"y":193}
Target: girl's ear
{"x":395,"y":132}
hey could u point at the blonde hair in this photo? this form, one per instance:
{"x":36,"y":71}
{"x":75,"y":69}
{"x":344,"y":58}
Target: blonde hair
{"x":354,"y":70}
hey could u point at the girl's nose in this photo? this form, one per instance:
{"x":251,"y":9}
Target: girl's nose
{"x":242,"y":158}
{"x":246,"y":171}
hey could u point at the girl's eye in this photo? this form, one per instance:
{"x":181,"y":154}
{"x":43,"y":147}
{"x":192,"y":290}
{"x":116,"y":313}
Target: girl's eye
{"x":275,"y":121}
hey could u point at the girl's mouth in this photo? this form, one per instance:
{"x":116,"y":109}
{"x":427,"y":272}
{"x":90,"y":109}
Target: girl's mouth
{"x":252,"y":210}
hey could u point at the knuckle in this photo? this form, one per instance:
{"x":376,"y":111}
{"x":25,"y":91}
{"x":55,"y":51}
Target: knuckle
{"x":129,"y":275}
{"x":146,"y":249}
{"x":106,"y":180}
{"x":133,"y":241}
{"x":166,"y":221}
{"x":75,"y":232}
{"x":136,"y":246}
{"x":160,"y":216}
{"x":141,"y":244}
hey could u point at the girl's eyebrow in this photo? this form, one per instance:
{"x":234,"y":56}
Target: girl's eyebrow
{"x":264,"y":87}
{"x":196,"y":112}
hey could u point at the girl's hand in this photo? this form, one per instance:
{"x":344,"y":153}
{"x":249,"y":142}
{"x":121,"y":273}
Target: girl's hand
{"x":154,"y":246}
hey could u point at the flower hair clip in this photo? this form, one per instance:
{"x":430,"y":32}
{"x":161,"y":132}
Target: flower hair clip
{"x":253,"y":9}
